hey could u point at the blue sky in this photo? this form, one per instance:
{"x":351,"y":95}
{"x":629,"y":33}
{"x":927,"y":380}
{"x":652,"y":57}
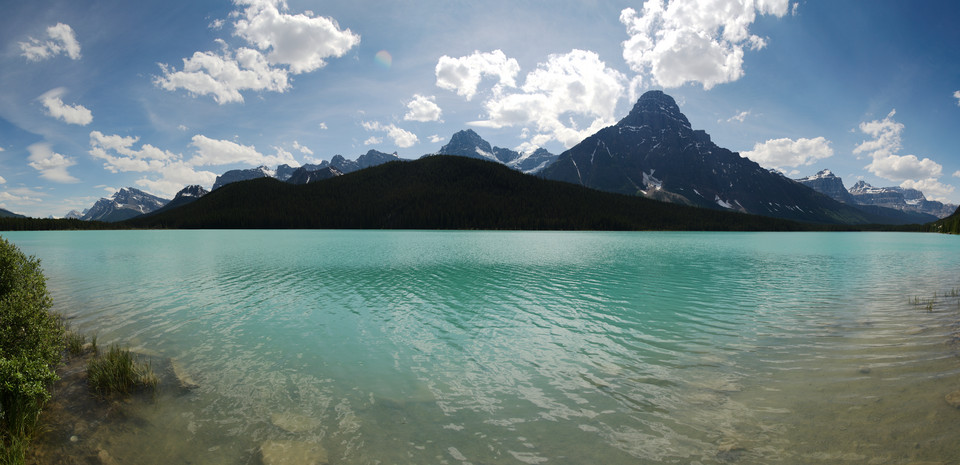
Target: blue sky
{"x":99,"y":95}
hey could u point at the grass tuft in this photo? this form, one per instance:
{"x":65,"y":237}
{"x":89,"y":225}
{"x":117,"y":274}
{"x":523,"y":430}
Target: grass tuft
{"x":75,"y":342}
{"x":118,"y":371}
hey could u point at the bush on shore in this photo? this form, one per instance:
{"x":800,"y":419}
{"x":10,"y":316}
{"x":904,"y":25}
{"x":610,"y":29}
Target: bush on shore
{"x":31,"y":342}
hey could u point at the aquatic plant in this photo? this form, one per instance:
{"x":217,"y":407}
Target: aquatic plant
{"x":118,"y":371}
{"x":31,"y":342}
{"x":75,"y":342}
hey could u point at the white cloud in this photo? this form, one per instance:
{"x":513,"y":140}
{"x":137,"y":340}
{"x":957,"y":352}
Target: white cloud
{"x":119,"y":155}
{"x":322,"y":125}
{"x":739,"y":117}
{"x":956,"y":95}
{"x":72,"y":114}
{"x":224,"y":76}
{"x":576,"y":84}
{"x":2,"y":181}
{"x":463,"y":74}
{"x":956,"y":174}
{"x":222,"y":152}
{"x":300,"y":41}
{"x":883,"y":148}
{"x":302,"y":148}
{"x":373,"y":140}
{"x":51,"y":165}
{"x":175,"y":176}
{"x":62,"y":40}
{"x":182,"y":127}
{"x":436,"y":138}
{"x":401,"y":137}
{"x":681,"y":41}
{"x":293,"y":44}
{"x":423,"y":108}
{"x":782,"y":153}
{"x":931,"y":188}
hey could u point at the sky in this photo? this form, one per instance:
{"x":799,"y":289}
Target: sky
{"x":99,"y":95}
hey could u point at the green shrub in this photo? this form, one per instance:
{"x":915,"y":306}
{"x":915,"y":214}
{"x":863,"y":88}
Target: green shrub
{"x":31,"y":341}
{"x":118,"y":371}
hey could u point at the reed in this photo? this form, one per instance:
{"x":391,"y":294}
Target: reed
{"x":118,"y":371}
{"x":75,"y":342}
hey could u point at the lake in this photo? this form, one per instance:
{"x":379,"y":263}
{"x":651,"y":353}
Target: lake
{"x":455,"y":347}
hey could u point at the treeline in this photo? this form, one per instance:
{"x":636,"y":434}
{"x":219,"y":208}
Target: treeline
{"x":948,"y":225}
{"x":443,"y":192}
{"x":50,"y":224}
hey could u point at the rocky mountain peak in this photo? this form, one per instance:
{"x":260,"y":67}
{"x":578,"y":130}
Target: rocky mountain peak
{"x":467,"y":143}
{"x":657,"y":110}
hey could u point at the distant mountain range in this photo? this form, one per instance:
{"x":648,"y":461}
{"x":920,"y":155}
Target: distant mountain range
{"x":441,"y":192}
{"x":125,"y":204}
{"x":469,"y":144}
{"x":904,"y":205}
{"x":652,"y":152}
{"x":9,"y":214}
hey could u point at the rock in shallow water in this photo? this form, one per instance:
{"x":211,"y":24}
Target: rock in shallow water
{"x":953,"y":399}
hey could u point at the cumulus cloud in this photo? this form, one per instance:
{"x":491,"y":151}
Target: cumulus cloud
{"x":322,"y":125}
{"x":51,"y":165}
{"x":681,"y":41}
{"x":422,"y":108}
{"x":126,"y":154}
{"x":302,"y":148}
{"x":293,"y":43}
{"x":436,"y":139}
{"x":373,"y":140}
{"x":224,"y":75}
{"x":883,"y":148}
{"x":932,"y":188}
{"x":462,"y":75}
{"x":61,"y":40}
{"x":956,"y":95}
{"x":575,"y":84}
{"x":300,"y":41}
{"x":119,"y":154}
{"x":2,"y":181}
{"x":72,"y":114}
{"x":401,"y":137}
{"x":222,"y":152}
{"x":174,"y":176}
{"x":783,"y":153}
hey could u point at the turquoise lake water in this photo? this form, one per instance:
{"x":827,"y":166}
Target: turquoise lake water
{"x":433,"y":347}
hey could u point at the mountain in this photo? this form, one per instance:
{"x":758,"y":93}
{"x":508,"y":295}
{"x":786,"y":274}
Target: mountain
{"x":899,"y":198}
{"x":948,"y":225}
{"x":469,"y":144}
{"x":827,"y":183}
{"x":304,"y":176}
{"x":831,"y":185}
{"x":441,"y":192}
{"x":9,"y":214}
{"x":243,"y":175}
{"x":75,"y":215}
{"x":126,"y":203}
{"x":186,"y":195}
{"x":654,"y":152}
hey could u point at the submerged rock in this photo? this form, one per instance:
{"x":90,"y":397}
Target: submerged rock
{"x":294,"y":422}
{"x":953,"y":399}
{"x":292,"y":453}
{"x":183,"y":377}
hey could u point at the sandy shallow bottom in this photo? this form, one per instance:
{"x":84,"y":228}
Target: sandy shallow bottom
{"x":835,"y":410}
